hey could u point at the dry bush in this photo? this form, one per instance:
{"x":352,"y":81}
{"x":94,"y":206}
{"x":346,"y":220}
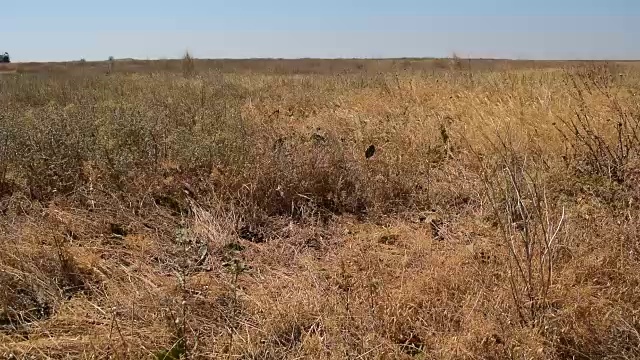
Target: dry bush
{"x":532,"y":228}
{"x":188,"y":65}
{"x":599,"y":147}
{"x":236,"y":213}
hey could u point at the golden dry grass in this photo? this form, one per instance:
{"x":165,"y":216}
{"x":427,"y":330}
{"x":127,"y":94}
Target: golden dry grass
{"x":234,"y":214}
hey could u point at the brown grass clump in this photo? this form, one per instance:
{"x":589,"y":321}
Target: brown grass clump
{"x":242,"y":213}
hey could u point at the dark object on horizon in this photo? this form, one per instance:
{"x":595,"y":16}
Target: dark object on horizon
{"x":371,"y":150}
{"x":4,"y":58}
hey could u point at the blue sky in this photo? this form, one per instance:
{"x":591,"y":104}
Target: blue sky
{"x":41,"y":30}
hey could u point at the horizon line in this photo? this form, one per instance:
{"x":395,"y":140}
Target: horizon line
{"x":326,"y":59}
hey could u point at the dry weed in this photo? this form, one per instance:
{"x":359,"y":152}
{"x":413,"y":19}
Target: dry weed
{"x":240,"y":211}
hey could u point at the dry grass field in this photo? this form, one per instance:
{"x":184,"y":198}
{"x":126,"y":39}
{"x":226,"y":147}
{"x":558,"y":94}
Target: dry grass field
{"x":8,"y":68}
{"x":231,"y":210}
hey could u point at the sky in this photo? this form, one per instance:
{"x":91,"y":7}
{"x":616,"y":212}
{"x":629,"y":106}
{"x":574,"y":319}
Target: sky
{"x":45,"y":30}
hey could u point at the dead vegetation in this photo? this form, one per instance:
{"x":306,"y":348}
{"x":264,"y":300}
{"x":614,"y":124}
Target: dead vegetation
{"x":363,"y":215}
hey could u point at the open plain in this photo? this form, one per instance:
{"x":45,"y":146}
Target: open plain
{"x":235,"y":209}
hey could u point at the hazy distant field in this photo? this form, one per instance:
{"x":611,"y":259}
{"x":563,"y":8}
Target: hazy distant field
{"x":226,"y":209}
